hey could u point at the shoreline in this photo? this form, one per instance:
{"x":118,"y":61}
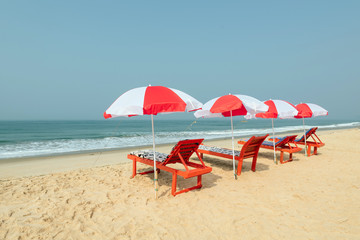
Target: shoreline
{"x":133,"y":148}
{"x":35,"y":166}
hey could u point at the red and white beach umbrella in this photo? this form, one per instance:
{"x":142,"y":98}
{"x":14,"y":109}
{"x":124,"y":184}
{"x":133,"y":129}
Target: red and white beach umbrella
{"x":278,"y":109}
{"x":308,"y":110}
{"x":235,"y":105}
{"x":229,"y":106}
{"x":152,"y":100}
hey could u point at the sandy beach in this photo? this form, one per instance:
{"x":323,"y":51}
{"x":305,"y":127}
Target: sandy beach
{"x":91,"y":196}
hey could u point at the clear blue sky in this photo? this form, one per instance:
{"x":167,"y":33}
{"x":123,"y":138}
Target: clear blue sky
{"x":72,"y":59}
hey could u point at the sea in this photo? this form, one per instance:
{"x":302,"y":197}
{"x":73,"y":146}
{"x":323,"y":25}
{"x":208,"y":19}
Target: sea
{"x":19,"y":139}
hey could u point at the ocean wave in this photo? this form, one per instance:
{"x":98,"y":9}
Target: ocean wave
{"x":132,"y":139}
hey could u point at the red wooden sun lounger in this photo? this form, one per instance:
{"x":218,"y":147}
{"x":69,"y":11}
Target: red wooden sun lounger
{"x":285,"y":144}
{"x":249,"y":150}
{"x":181,"y":153}
{"x":315,"y":142}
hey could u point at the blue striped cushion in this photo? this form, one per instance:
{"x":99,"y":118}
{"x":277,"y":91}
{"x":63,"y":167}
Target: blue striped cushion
{"x":219,"y":150}
{"x":149,"y":154}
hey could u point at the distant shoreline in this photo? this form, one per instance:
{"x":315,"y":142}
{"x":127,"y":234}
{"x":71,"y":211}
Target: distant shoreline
{"x":133,"y":148}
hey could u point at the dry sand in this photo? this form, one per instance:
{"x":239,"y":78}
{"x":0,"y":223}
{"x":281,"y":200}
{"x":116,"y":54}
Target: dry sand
{"x":74,"y":197}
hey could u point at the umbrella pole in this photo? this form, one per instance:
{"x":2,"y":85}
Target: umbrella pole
{"x":272,"y":121}
{"x":233,"y":150}
{"x":155,"y":172}
{"x":305,"y":137}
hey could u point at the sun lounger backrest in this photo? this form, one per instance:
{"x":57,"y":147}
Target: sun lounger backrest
{"x":307,"y":134}
{"x":292,"y":138}
{"x":284,"y":141}
{"x":186,"y":148}
{"x":251,"y":147}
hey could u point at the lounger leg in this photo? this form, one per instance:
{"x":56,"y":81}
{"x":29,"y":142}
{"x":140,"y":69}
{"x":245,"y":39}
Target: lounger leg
{"x":253,"y":166}
{"x":290,"y":157}
{"x":173,"y":188}
{"x":315,"y":150}
{"x":134,"y":169}
{"x":309,"y":151}
{"x":281,"y":157}
{"x":199,"y":181}
{"x":240,"y":163}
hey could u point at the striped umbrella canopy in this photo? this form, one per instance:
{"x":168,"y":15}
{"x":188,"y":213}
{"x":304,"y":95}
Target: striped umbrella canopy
{"x":278,"y":109}
{"x":308,"y":110}
{"x":229,"y":106}
{"x":152,"y":100}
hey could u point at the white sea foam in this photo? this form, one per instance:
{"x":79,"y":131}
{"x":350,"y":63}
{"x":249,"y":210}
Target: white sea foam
{"x":38,"y":148}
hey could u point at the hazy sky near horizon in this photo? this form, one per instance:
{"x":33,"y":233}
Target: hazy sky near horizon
{"x":71,"y":59}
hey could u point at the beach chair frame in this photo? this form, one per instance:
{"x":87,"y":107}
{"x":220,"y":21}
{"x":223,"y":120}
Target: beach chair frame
{"x":249,"y":150}
{"x":285,"y":145}
{"x":181,"y":153}
{"x":315,"y":143}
